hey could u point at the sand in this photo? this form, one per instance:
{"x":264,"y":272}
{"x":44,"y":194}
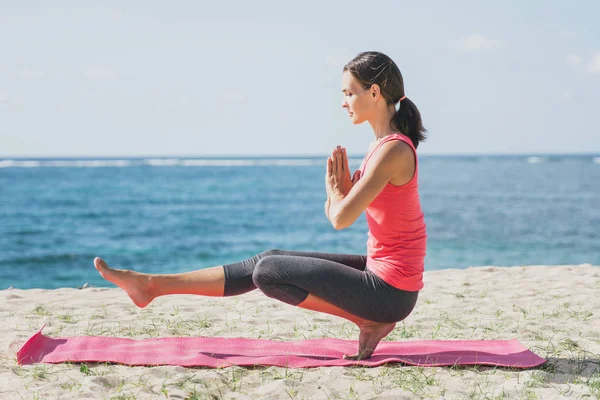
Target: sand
{"x":553,"y":310}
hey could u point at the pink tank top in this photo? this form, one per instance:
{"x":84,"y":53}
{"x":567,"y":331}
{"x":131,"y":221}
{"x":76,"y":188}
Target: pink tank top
{"x":397,"y":232}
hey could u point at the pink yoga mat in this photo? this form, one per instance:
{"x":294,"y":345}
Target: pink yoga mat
{"x":223,"y":352}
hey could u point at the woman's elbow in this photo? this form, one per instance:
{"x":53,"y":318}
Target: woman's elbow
{"x":339,"y":224}
{"x":340,"y":218}
{"x":336,"y":226}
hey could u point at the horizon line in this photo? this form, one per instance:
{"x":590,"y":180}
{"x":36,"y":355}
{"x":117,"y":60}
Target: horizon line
{"x":38,"y":156}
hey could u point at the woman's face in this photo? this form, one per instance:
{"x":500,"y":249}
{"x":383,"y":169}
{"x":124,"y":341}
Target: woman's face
{"x":357,"y":101}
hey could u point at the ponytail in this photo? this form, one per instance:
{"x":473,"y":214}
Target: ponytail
{"x":408,"y":121}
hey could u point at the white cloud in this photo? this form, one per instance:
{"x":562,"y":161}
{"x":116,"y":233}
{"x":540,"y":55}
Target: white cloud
{"x":30,"y":73}
{"x":593,"y":66}
{"x":98,"y":72}
{"x":574,"y":60}
{"x":475,"y":42}
{"x":566,"y":96}
{"x":11,"y":101}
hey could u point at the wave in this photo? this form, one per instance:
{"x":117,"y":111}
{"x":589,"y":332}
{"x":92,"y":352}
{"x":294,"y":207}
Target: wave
{"x":239,"y":162}
{"x":22,"y":164}
{"x":48,"y":259}
{"x":248,"y":163}
{"x":94,"y":163}
{"x":69,"y":164}
{"x":162,"y":162}
{"x":167,"y":162}
{"x":535,"y":160}
{"x":304,"y":162}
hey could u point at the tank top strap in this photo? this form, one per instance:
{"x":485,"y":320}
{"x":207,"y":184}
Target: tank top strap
{"x":395,"y":136}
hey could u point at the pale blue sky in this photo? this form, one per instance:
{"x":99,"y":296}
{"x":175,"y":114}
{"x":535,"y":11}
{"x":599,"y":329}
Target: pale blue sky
{"x":263,"y":78}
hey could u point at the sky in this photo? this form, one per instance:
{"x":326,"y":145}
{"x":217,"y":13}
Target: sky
{"x":251,"y":78}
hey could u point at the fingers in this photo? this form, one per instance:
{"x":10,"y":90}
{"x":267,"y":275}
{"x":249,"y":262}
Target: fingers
{"x":333,"y":158}
{"x":356,"y":176}
{"x":331,"y":163}
{"x":345,"y":161}
{"x":339,"y":160}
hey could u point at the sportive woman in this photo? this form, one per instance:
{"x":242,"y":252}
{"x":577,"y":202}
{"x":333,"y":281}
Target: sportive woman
{"x":375,"y":290}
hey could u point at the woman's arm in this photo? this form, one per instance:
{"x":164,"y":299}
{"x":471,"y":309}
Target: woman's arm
{"x":392,"y":157}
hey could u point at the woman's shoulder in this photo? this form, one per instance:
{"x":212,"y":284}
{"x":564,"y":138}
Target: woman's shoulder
{"x":401,"y":158}
{"x":391,"y":153}
{"x":397,"y":148}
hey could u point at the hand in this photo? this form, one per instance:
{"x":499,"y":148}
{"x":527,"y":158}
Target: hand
{"x":337,"y":178}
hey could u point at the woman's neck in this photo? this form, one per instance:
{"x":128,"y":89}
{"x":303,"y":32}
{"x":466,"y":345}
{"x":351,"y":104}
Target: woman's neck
{"x":382,"y":125}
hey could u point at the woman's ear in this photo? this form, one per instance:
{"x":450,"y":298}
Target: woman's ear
{"x":374,"y":90}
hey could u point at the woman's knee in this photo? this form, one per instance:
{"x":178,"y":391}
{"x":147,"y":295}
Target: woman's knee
{"x":262,"y":271}
{"x":272,"y":252}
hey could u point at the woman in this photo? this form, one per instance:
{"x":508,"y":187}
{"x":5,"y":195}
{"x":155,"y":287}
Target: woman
{"x":373,"y":291}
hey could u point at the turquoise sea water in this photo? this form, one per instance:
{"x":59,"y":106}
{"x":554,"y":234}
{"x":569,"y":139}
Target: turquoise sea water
{"x":177,"y":214}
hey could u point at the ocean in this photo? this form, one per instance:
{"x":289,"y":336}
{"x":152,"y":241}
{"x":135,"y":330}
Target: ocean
{"x":170,"y":215}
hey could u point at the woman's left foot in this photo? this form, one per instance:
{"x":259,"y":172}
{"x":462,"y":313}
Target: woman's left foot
{"x":371,"y":334}
{"x":134,"y":283}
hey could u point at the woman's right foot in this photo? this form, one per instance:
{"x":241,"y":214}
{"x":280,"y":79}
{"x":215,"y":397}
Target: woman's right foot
{"x":371,"y":334}
{"x":134,"y":283}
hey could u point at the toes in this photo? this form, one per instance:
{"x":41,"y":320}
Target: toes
{"x":360,"y":356}
{"x":98,"y":263}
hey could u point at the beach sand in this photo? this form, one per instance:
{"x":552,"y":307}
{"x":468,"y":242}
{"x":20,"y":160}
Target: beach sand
{"x":552,"y":310}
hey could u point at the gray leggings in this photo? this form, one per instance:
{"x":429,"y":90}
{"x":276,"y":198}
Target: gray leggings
{"x":340,"y":279}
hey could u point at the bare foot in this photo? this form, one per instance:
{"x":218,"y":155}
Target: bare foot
{"x":134,"y":283}
{"x":371,"y":334}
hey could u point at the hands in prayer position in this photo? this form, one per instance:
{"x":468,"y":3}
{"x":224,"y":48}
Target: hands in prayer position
{"x":338,"y":181}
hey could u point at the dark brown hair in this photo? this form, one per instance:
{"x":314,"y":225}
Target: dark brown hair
{"x":373,"y":67}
